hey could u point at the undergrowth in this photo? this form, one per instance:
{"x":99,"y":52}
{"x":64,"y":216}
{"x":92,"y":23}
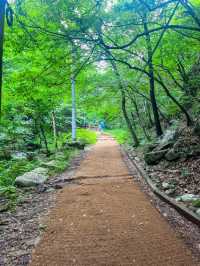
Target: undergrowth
{"x":10,"y":169}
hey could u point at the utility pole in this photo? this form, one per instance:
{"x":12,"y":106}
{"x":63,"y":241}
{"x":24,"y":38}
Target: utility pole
{"x":73,"y":91}
{"x":2,"y":18}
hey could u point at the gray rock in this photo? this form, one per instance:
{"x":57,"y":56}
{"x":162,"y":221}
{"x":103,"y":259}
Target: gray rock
{"x":167,"y":185}
{"x":19,"y":156}
{"x":170,"y":191}
{"x":178,"y":198}
{"x":150,"y":147}
{"x":33,"y":178}
{"x":154,"y":156}
{"x":187,"y":198}
{"x":164,"y":146}
{"x":51,"y":189}
{"x":198,"y":211}
{"x":41,"y":188}
{"x":170,"y":135}
{"x":171,"y":155}
{"x":179,"y":144}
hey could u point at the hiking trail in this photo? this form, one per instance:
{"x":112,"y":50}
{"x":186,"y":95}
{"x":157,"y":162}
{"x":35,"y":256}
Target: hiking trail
{"x":104,"y":219}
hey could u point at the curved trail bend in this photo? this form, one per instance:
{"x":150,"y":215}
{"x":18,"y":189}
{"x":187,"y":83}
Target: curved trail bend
{"x":105,"y":220}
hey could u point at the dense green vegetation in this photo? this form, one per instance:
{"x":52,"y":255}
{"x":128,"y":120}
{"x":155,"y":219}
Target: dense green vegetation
{"x":121,"y":135}
{"x":16,"y":166}
{"x":135,"y":64}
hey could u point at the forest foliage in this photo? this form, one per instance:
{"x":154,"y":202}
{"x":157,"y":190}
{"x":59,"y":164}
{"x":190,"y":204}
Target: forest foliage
{"x":136,"y":65}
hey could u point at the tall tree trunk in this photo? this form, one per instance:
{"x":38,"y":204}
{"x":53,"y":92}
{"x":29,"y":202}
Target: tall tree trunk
{"x":54,"y":130}
{"x":44,"y":138}
{"x":128,"y":122}
{"x":37,"y":130}
{"x":151,"y":80}
{"x":132,"y":122}
{"x":148,"y":112}
{"x":139,"y":119}
{"x":188,"y":118}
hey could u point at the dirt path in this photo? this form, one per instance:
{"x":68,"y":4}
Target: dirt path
{"x":104,"y":219}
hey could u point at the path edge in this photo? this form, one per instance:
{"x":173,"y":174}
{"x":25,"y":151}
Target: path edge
{"x":189,"y":215}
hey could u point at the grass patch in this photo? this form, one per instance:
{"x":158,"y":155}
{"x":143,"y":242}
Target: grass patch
{"x":121,"y":135}
{"x":84,"y":135}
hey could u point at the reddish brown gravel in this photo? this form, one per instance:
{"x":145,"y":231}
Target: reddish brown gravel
{"x":104,"y":219}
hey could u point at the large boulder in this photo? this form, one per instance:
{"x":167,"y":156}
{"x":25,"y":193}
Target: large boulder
{"x":165,"y":142}
{"x":150,"y":147}
{"x":177,"y":142}
{"x":172,"y":155}
{"x":154,"y":157}
{"x":164,"y":146}
{"x":33,"y":178}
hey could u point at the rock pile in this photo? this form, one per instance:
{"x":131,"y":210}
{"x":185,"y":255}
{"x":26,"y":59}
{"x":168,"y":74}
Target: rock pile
{"x":182,"y":142}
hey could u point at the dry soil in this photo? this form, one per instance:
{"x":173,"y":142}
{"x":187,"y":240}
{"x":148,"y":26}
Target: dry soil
{"x":104,"y":219}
